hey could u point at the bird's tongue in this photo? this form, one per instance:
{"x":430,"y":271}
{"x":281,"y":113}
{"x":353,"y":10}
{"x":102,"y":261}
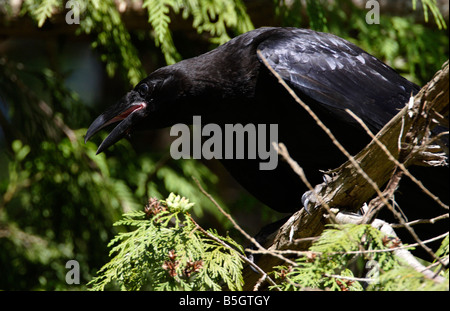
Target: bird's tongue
{"x":126,"y":113}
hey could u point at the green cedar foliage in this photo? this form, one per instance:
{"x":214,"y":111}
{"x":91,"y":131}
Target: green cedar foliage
{"x":102,"y":19}
{"x":167,"y":250}
{"x":344,"y":250}
{"x":430,"y":5}
{"x":214,"y":17}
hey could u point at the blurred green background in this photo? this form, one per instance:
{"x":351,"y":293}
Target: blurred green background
{"x":58,"y":200}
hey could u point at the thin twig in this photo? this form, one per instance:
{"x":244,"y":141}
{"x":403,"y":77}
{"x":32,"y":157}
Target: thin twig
{"x":421,"y":221}
{"x":260,"y":281}
{"x":358,"y":252}
{"x":349,"y":278}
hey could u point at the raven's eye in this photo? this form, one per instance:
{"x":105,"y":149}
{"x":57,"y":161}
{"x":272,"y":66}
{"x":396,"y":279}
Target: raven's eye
{"x":143,"y":89}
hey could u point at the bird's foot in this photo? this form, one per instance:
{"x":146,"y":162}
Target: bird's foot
{"x":310,"y":199}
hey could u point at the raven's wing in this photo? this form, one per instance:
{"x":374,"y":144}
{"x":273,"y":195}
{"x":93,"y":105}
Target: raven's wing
{"x":338,"y":75}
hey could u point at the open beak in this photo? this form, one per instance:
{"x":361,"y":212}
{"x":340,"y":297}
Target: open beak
{"x":127,"y":116}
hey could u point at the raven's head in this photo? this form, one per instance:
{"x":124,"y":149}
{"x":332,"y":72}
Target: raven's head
{"x":140,"y":107}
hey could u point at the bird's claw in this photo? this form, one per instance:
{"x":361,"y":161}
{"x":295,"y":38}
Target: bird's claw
{"x":310,"y":199}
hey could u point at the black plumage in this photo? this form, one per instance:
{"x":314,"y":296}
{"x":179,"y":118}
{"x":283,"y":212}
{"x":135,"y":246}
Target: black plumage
{"x":231,"y":85}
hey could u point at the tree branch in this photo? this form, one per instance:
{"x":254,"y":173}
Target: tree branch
{"x":348,"y":186}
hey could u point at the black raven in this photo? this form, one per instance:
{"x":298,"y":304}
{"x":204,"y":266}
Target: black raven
{"x":231,"y":85}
